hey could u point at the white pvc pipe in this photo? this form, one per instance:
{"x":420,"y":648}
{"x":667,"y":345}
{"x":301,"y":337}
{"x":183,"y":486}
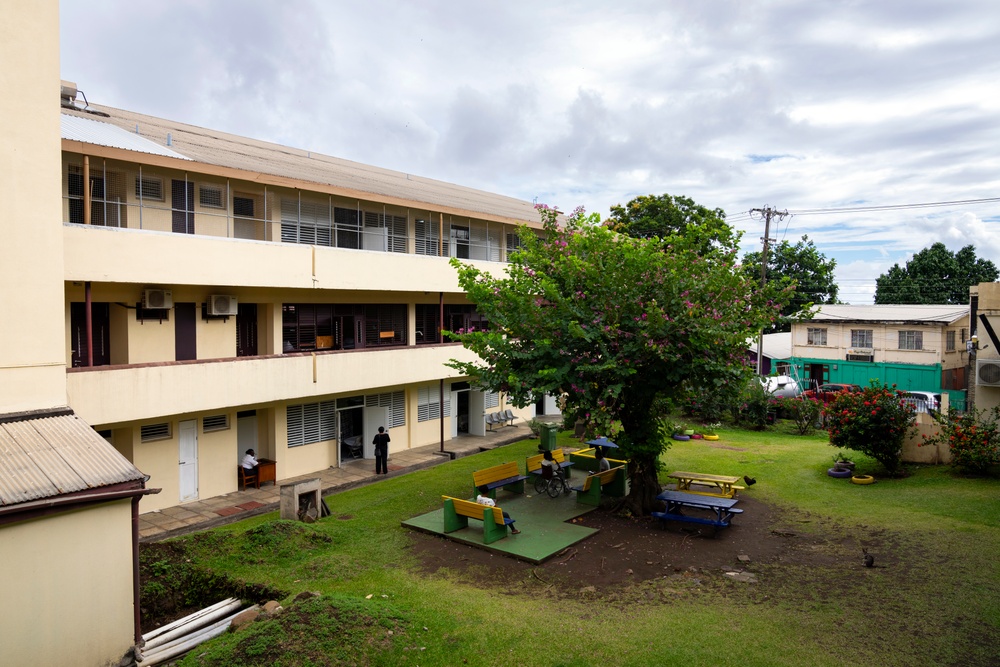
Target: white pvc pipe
{"x":189,"y":628}
{"x":181,"y":646}
{"x":181,"y":621}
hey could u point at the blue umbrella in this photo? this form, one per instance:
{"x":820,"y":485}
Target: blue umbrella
{"x":602,"y":442}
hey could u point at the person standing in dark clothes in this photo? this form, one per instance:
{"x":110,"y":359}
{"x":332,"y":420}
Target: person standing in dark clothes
{"x":381,"y":442}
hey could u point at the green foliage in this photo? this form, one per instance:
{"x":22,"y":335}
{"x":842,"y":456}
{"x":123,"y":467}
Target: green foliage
{"x":873,"y":421}
{"x":973,"y":438}
{"x":618,"y":324}
{"x":935,"y":275}
{"x":756,"y":406}
{"x":799,"y":267}
{"x":664,"y":216}
{"x":803,"y":411}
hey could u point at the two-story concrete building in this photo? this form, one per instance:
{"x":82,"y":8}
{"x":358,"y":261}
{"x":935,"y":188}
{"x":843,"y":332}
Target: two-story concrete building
{"x":915,"y":347}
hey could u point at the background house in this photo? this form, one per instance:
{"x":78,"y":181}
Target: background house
{"x":984,"y":367}
{"x":915,"y":347}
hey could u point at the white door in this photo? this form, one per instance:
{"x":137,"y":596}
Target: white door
{"x":188,"y":450}
{"x":477,"y":408}
{"x":454,"y":415}
{"x":246,"y":436}
{"x":374,"y":417}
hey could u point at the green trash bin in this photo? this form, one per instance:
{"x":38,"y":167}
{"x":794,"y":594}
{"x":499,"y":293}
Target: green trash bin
{"x":548,"y":436}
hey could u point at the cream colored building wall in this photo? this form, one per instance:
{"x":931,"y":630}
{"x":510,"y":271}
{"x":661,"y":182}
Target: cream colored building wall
{"x":986,"y":397}
{"x":32,"y":370}
{"x":66,"y":599}
{"x":150,"y":340}
{"x":885,"y":339}
{"x":159,"y":459}
{"x":216,"y":337}
{"x":217,"y":460}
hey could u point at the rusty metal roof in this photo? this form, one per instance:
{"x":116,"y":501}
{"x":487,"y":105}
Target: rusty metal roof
{"x":228,"y":150}
{"x":44,"y":457}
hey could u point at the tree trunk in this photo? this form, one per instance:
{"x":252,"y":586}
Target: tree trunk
{"x":643,"y":486}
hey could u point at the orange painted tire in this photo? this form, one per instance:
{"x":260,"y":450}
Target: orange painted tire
{"x":862,"y":479}
{"x":710,"y":437}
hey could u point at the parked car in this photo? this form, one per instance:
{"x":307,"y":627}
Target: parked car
{"x":828,"y":392}
{"x":923,"y":401}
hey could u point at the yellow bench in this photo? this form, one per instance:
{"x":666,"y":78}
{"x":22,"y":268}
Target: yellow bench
{"x":589,"y":493}
{"x":506,"y":476}
{"x":533,"y":464}
{"x":725,"y":484}
{"x":457,"y":513}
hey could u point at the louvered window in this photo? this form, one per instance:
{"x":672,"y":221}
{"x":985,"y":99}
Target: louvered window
{"x":384,"y":232}
{"x":215,"y":423}
{"x":429,"y":404}
{"x":306,"y":222}
{"x":396,"y":404}
{"x":347,"y":222}
{"x":426,"y":237}
{"x":385,"y":325}
{"x":149,"y":188}
{"x":210,"y":196}
{"x":309,"y":423}
{"x":427,"y":324}
{"x":491,"y":400}
{"x":151,"y":432}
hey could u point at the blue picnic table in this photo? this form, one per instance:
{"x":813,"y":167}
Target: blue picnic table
{"x":677,"y":501}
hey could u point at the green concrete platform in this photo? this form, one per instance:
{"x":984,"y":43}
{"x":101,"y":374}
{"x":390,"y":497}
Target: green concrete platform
{"x":543,"y":522}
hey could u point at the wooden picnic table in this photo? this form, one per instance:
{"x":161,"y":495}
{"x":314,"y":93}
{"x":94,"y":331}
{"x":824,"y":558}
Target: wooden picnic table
{"x":723,"y":486}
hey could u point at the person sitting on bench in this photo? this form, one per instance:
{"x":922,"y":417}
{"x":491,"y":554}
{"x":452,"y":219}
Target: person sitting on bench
{"x":484,"y":499}
{"x":602,"y":463}
{"x":549,"y":462}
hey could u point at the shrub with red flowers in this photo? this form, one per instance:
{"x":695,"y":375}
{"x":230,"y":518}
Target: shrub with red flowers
{"x":873,"y":421}
{"x":973,"y":438}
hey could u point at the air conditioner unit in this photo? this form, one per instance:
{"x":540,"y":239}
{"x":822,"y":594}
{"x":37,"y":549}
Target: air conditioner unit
{"x":157,"y":298}
{"x":222,"y":304}
{"x":988,"y":372}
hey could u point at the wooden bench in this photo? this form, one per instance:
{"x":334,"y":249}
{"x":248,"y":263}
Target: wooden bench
{"x":533,"y":464}
{"x":677,"y":501}
{"x":725,"y":486}
{"x":718,"y":523}
{"x":457,"y":513}
{"x":505,"y":476}
{"x":589,"y":493}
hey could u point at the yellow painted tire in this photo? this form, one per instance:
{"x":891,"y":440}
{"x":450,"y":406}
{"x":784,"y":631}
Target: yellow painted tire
{"x":862,"y":479}
{"x":710,"y":437}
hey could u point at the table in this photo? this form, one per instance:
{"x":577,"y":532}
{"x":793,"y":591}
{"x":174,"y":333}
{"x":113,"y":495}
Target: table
{"x":266,"y":471}
{"x":725,"y":484}
{"x":677,"y":500}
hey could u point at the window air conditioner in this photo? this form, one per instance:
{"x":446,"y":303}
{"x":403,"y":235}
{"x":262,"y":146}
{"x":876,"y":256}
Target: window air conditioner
{"x":222,"y":304}
{"x":988,"y":372}
{"x":157,"y":298}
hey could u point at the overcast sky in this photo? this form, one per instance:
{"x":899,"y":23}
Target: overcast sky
{"x":799,"y":105}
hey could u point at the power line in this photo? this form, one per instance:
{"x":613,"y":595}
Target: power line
{"x":741,"y":216}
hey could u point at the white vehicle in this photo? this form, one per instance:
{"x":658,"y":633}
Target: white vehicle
{"x":781,"y":385}
{"x":923,"y":401}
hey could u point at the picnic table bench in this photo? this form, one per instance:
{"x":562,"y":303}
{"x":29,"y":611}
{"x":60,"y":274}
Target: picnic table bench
{"x":457,"y":513}
{"x":533,"y":464}
{"x":725,"y":486}
{"x":677,"y":501}
{"x":589,"y":493}
{"x":506,"y":476}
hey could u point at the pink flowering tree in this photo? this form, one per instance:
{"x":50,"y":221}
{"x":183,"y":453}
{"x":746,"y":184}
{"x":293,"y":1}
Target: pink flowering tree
{"x":619,"y":325}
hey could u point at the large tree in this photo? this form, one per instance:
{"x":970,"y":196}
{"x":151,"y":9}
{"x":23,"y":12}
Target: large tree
{"x":616,"y":324}
{"x":935,"y":275}
{"x":660,"y":216}
{"x":800,"y":267}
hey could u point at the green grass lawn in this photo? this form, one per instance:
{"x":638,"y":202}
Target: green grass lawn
{"x":938,"y":605}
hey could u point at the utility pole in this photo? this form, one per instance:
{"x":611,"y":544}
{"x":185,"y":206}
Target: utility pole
{"x":767,"y":213}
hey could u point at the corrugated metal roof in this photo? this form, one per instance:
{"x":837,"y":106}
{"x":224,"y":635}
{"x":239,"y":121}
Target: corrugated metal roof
{"x":52,"y":456}
{"x":776,"y":345}
{"x":229,"y":150}
{"x":91,"y":131}
{"x":941,"y":314}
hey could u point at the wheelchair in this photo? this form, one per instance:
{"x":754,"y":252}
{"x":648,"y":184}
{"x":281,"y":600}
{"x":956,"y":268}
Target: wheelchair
{"x":552,"y":484}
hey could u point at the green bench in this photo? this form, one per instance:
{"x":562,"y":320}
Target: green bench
{"x":504,"y":476}
{"x":589,"y":493}
{"x":457,"y":513}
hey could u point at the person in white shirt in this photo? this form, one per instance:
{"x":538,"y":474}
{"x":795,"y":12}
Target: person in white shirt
{"x":484,"y":499}
{"x":250,"y":461}
{"x":602,"y":463}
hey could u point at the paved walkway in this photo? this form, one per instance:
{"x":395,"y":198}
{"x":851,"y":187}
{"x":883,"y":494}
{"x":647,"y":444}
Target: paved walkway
{"x":201,"y":514}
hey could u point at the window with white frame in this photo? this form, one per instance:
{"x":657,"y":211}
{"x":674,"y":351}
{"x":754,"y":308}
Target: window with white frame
{"x":426,"y":237}
{"x":395,"y":402}
{"x":311,"y":422}
{"x":307,"y":222}
{"x":215,"y":423}
{"x":429,"y":403}
{"x":385,"y":232}
{"x":815,"y":336}
{"x":911,"y":340}
{"x":949,"y":341}
{"x":861,"y":338}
